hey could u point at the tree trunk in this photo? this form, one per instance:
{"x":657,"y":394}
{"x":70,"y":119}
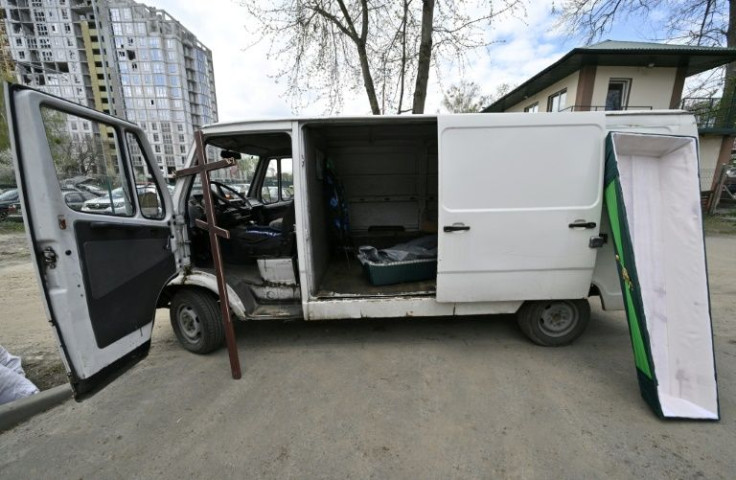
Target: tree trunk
{"x":370,"y":89}
{"x":425,"y":56}
{"x":729,"y":82}
{"x":731,"y":42}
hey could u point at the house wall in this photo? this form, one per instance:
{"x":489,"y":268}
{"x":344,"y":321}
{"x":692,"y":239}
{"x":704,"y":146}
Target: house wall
{"x":570,"y":82}
{"x":649,"y":86}
{"x":710,"y":148}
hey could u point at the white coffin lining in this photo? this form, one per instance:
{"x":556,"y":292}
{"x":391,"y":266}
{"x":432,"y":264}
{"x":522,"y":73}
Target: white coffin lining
{"x":661,"y":193}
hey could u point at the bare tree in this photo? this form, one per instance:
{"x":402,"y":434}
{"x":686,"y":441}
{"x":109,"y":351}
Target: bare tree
{"x":695,"y":22}
{"x":466,"y":97}
{"x":331,"y":47}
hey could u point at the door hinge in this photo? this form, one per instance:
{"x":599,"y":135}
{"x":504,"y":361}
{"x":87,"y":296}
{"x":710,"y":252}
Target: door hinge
{"x":48,"y":257}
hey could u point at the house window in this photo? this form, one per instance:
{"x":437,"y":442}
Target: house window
{"x":533,"y":108}
{"x":617,"y":97}
{"x":557,"y":101}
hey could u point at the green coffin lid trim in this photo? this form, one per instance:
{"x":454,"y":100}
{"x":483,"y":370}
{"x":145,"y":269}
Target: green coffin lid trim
{"x":640,"y":354}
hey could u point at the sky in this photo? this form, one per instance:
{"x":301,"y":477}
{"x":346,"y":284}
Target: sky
{"x":244,"y":72}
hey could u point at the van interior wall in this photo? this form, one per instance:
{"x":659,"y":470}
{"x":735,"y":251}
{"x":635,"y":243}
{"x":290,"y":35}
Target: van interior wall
{"x":389,"y":173}
{"x":317,"y":211}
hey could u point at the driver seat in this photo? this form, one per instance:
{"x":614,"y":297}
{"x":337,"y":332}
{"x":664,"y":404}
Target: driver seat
{"x":250,"y":242}
{"x":287,"y":220}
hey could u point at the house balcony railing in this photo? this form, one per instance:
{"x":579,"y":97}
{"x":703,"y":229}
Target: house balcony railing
{"x":714,"y":116}
{"x":600,"y":108}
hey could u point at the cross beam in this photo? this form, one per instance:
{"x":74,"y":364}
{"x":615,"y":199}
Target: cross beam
{"x":203,"y":168}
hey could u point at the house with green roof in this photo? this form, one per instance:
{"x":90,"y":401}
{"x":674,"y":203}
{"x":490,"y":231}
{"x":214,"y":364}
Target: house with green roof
{"x":617,"y":75}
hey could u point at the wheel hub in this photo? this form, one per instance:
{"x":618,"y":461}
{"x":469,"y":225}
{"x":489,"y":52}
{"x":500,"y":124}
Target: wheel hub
{"x":189,"y":323}
{"x":557,"y":319}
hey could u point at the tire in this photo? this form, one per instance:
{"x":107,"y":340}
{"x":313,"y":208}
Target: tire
{"x":553,"y":323}
{"x":3,"y":215}
{"x":196,"y":320}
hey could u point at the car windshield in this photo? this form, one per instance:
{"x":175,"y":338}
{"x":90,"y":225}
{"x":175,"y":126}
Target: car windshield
{"x":116,"y":194}
{"x":9,"y":195}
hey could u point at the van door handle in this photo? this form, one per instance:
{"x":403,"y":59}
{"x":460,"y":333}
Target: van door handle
{"x":582,"y":224}
{"x":456,"y":228}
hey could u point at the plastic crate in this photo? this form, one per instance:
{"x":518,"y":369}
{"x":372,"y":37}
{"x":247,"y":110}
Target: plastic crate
{"x":401,"y":272}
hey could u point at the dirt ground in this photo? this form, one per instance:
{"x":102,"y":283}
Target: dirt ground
{"x":23,"y":328}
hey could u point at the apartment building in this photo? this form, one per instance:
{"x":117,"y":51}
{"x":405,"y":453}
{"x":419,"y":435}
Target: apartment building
{"x":120,"y":57}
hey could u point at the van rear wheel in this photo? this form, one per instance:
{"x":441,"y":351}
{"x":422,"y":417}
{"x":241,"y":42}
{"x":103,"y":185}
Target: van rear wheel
{"x":196,"y":320}
{"x":553,"y":323}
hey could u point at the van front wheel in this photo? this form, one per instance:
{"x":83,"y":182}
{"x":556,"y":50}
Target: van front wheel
{"x":553,"y":323}
{"x":196,"y":320}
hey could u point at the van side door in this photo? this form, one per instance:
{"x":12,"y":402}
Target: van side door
{"x":520,"y":197}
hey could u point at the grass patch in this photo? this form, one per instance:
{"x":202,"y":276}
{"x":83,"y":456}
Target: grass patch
{"x":720,"y":224}
{"x":12,"y":225}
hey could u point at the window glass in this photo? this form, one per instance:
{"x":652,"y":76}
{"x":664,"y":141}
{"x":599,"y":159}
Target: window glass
{"x":88,"y":162}
{"x":270,"y":188}
{"x":557,"y":102}
{"x":278,"y":184}
{"x":287,"y":180}
{"x":147,"y":190}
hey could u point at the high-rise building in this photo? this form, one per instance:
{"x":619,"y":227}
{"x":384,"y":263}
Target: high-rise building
{"x":119,"y":57}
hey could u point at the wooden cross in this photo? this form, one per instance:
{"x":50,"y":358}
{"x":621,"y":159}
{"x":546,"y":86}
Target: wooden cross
{"x":203,"y":168}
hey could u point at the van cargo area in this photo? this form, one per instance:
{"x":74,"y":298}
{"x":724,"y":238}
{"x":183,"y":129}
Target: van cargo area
{"x":369,"y":185}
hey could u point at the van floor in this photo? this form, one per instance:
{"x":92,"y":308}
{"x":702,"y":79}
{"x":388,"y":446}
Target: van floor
{"x":345,"y":278}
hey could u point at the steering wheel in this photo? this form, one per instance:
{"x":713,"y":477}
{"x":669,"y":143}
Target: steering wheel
{"x":221,"y":198}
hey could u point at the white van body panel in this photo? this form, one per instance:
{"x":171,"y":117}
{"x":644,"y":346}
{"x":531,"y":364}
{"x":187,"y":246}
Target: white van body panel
{"x":517,"y":181}
{"x":400,"y":307}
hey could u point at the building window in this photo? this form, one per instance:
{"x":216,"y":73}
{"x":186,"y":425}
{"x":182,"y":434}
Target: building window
{"x":533,"y":108}
{"x":42,"y":29}
{"x":557,"y":101}
{"x":617,"y":97}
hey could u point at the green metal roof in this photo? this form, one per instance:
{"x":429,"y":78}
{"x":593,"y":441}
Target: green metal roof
{"x":619,"y":54}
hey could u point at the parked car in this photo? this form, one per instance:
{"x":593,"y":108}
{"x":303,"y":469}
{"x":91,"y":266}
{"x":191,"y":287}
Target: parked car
{"x":114,"y":202}
{"x":121,"y":205}
{"x":9,"y":203}
{"x":75,"y":199}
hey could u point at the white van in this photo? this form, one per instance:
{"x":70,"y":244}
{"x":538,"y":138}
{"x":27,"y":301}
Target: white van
{"x":511,"y":204}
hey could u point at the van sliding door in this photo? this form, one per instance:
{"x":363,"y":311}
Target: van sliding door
{"x":520,"y":197}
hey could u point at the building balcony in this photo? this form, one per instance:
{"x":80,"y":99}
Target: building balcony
{"x":601,"y":108}
{"x":714,"y":116}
